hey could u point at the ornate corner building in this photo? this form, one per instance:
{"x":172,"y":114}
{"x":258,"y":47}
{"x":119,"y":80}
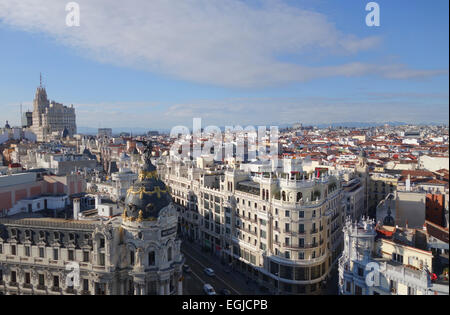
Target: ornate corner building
{"x":280,"y":230}
{"x":137,"y":253}
{"x":382,"y":259}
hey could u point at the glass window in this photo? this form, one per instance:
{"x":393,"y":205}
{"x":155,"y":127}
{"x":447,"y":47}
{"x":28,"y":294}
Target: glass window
{"x":85,"y":256}
{"x":56,"y":281}
{"x":151,"y":258}
{"x":71,"y":254}
{"x":27,"y":278}
{"x":41,"y":279}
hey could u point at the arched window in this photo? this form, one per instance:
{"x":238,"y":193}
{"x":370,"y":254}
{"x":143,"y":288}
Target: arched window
{"x":299,"y":196}
{"x":132,"y":257}
{"x":151,"y":258}
{"x":283,"y":194}
{"x":169,"y":254}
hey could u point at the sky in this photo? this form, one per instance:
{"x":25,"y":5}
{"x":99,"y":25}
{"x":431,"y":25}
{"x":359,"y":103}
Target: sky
{"x":157,"y":64}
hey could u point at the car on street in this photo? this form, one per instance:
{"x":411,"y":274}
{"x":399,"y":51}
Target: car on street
{"x":187,"y":269}
{"x":225,"y":292}
{"x":208,"y":289}
{"x":209,"y":272}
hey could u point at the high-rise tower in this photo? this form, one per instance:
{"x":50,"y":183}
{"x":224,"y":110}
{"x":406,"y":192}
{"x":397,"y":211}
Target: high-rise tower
{"x":51,"y":117}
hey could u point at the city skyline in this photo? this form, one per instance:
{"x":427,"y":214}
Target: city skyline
{"x":311,"y":62}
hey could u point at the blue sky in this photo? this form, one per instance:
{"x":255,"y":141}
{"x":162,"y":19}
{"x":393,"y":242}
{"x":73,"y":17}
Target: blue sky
{"x":157,"y":64}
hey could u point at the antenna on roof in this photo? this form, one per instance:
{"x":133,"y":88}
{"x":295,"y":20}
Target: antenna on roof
{"x":40,"y":79}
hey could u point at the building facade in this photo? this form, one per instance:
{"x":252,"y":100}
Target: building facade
{"x":381,"y":260}
{"x":137,"y":253}
{"x":281,"y":230}
{"x":50,"y":118}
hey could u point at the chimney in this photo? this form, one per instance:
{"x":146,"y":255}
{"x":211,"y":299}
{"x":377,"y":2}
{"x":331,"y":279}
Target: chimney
{"x":98,"y":201}
{"x":76,"y":208}
{"x":408,"y":183}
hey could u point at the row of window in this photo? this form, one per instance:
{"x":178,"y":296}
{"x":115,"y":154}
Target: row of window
{"x":42,"y":253}
{"x":300,"y":255}
{"x":59,"y":237}
{"x":41,"y":280}
{"x":301,"y":228}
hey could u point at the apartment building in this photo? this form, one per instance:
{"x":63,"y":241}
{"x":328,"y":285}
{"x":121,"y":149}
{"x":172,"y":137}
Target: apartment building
{"x":280,"y":229}
{"x":385,"y":260}
{"x":381,"y":185}
{"x":354,"y":198}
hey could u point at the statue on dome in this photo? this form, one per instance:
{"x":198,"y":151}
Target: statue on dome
{"x":148,"y":149}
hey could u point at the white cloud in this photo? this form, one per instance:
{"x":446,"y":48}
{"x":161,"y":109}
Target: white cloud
{"x":227,"y":43}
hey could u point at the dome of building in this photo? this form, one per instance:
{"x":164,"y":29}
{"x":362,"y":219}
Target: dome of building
{"x":148,"y":195}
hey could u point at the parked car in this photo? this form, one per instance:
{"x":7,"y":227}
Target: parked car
{"x":208,"y":289}
{"x":187,"y":269}
{"x":209,"y":272}
{"x":225,"y":292}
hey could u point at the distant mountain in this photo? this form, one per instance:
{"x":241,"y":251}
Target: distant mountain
{"x":356,"y":124}
{"x":133,"y":130}
{"x":142,"y":131}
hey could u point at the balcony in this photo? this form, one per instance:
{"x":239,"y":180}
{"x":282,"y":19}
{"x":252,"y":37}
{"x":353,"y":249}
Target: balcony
{"x":71,"y":291}
{"x":99,"y":267}
{"x":27,"y":285}
{"x":252,"y":220}
{"x":55,"y":289}
{"x":314,"y":231}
